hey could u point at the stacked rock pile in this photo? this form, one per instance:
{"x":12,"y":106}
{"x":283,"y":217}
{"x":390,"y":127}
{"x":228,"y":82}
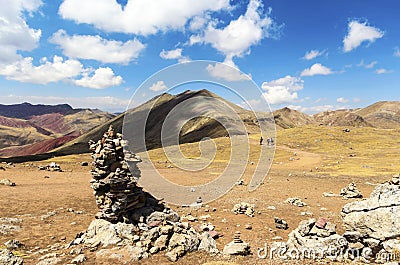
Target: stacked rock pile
{"x":244,"y":208}
{"x":129,"y":218}
{"x":115,"y":189}
{"x":237,"y":246}
{"x":350,"y":192}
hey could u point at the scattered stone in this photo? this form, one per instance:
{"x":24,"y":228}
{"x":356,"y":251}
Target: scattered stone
{"x":239,"y":182}
{"x":306,"y":214}
{"x":237,"y":246}
{"x":9,"y":225}
{"x":323,"y":209}
{"x":207,"y":243}
{"x":7,"y":182}
{"x":13,"y":244}
{"x":329,"y":194}
{"x":8,"y":258}
{"x":84,"y":164}
{"x":81,"y":258}
{"x":272,"y":208}
{"x":277,"y":238}
{"x":244,"y":208}
{"x":296,"y":202}
{"x":350,"y":192}
{"x":280,"y":223}
{"x":49,"y":259}
{"x":48,"y":215}
{"x":248,"y":227}
{"x":51,"y":167}
{"x":321,"y":223}
{"x":346,"y":130}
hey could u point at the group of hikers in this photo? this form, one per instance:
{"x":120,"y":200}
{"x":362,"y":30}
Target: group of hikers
{"x":270,"y":141}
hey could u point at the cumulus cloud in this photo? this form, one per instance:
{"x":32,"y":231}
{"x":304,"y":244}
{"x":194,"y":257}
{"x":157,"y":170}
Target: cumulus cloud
{"x":359,"y":32}
{"x":102,"y":77}
{"x":47,"y":72}
{"x":312,"y":109}
{"x":227,"y":71}
{"x":174,"y":55}
{"x":313,"y":54}
{"x":342,"y":100}
{"x":367,"y":65}
{"x":381,"y":71}
{"x":239,"y":35}
{"x":15,"y":33}
{"x":158,"y":86}
{"x":282,"y":90}
{"x":97,"y":48}
{"x":141,"y":17}
{"x":316,"y":69}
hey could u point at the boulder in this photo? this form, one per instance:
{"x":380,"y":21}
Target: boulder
{"x":376,"y":217}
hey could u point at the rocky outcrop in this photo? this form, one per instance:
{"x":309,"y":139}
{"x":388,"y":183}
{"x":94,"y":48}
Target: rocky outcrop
{"x":316,"y":239}
{"x":374,"y":222}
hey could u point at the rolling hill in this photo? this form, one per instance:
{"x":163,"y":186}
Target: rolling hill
{"x":33,"y":129}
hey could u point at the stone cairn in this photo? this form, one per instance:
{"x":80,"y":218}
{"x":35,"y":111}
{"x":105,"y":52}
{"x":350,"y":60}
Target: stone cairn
{"x":129,"y":218}
{"x":115,"y":189}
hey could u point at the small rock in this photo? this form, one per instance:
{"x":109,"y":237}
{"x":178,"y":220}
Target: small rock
{"x":272,"y":208}
{"x":281,"y":224}
{"x":296,"y":202}
{"x":7,"y":182}
{"x":84,"y":164}
{"x":13,"y":244}
{"x":81,"y":258}
{"x":248,"y":226}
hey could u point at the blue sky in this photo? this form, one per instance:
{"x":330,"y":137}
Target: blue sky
{"x":309,"y":55}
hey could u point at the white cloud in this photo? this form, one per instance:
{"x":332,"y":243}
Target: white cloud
{"x":199,"y":22}
{"x":140,"y":17}
{"x":97,"y":48}
{"x":47,"y":72}
{"x":396,"y":52}
{"x":174,"y":55}
{"x":356,"y":100}
{"x":227,"y":71}
{"x":104,"y":103}
{"x":158,"y":86}
{"x":381,"y":71}
{"x":312,"y":109}
{"x":15,"y":33}
{"x":316,"y":69}
{"x":312,"y":54}
{"x":101,"y":78}
{"x":282,"y":90}
{"x":239,"y":35}
{"x":367,"y":65}
{"x":358,"y":33}
{"x":342,"y":100}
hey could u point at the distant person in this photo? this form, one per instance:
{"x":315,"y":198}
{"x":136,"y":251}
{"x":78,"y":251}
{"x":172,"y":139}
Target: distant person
{"x":268,"y":141}
{"x":261,"y":140}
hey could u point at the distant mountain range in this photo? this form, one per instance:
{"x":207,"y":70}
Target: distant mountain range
{"x":27,"y":129}
{"x":45,"y":131}
{"x":383,"y":115}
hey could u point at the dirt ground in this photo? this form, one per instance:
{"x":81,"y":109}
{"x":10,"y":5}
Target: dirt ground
{"x":55,"y":206}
